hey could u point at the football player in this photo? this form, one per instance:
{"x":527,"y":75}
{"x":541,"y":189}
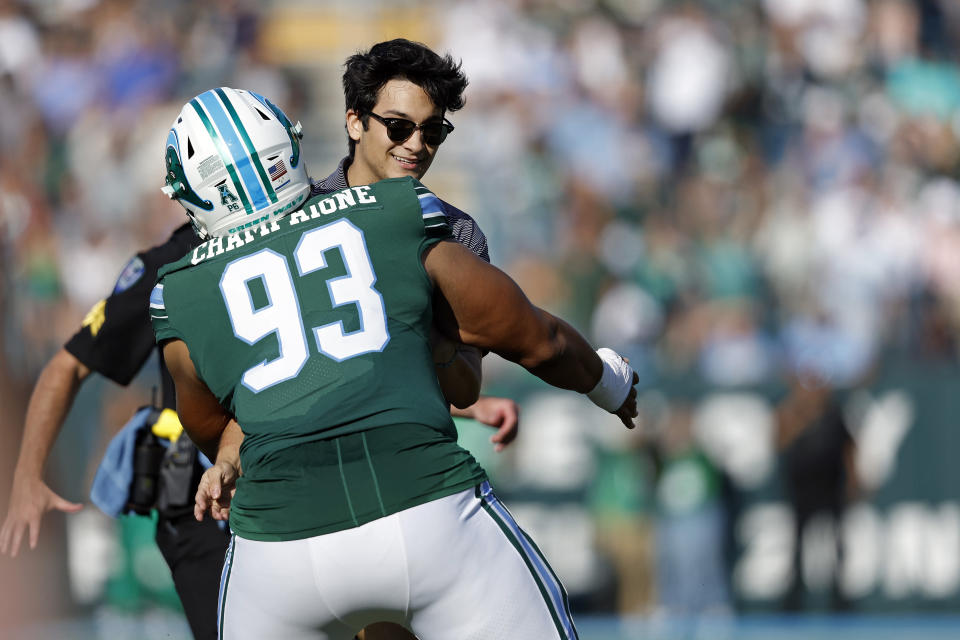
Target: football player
{"x":311,"y":330}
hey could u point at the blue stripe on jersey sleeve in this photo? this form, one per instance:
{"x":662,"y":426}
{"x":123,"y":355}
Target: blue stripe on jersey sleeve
{"x":156,"y":298}
{"x":431,"y":208}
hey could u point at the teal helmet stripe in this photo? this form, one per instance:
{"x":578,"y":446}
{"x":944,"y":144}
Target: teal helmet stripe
{"x":241,"y":158}
{"x":294,"y":140}
{"x":224,"y":155}
{"x":173,"y":140}
{"x":251,"y":150}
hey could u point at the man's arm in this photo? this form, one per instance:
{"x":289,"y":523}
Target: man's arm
{"x":502,"y":414}
{"x":219,"y":482}
{"x":200,"y":412}
{"x":49,"y":405}
{"x":492,"y":312}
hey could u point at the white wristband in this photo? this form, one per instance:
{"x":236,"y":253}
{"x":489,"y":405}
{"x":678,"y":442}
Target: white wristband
{"x":615,"y":382}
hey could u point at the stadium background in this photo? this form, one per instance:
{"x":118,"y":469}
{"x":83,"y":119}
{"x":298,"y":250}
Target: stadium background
{"x":744,"y":197}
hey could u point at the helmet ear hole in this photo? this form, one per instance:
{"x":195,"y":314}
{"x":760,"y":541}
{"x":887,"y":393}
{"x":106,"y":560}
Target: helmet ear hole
{"x":177,"y":180}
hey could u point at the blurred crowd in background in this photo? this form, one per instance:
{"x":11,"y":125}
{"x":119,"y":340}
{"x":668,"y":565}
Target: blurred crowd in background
{"x":755,"y":200}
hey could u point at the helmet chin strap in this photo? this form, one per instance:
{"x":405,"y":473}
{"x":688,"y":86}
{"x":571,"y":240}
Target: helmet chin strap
{"x":173,"y":192}
{"x":197,"y":227}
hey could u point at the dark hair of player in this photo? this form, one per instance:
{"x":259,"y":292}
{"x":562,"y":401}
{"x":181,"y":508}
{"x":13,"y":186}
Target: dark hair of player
{"x":365,"y":74}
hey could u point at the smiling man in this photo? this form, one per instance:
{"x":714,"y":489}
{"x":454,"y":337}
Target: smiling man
{"x":392,"y":148}
{"x":397,"y":96}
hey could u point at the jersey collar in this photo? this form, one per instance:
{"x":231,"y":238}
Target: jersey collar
{"x":333,"y":182}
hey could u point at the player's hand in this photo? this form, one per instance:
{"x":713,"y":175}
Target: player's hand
{"x":216,"y":489}
{"x":628,"y":410}
{"x":29,"y":500}
{"x":502,"y":414}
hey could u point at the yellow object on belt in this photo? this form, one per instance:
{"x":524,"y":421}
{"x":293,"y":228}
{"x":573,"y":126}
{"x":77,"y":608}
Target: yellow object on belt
{"x":168,"y":425}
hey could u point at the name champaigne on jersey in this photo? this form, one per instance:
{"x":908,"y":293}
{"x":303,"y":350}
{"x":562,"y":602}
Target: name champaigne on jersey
{"x":338,"y":201}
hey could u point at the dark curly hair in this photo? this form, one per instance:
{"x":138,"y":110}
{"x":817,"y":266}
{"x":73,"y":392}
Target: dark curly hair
{"x":365,"y":74}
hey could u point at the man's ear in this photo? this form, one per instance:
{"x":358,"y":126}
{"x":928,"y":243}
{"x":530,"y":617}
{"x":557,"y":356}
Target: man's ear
{"x":354,"y":125}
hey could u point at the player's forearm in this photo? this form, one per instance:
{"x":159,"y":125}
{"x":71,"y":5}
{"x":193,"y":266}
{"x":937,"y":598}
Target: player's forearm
{"x":490,"y":311}
{"x":562,"y":357}
{"x":202,"y":416}
{"x":49,"y":405}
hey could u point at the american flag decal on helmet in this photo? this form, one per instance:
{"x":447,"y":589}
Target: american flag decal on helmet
{"x":277,"y":171}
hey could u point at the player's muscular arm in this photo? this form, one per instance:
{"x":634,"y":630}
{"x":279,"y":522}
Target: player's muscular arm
{"x":49,"y":404}
{"x":491,"y":312}
{"x":200,"y":412}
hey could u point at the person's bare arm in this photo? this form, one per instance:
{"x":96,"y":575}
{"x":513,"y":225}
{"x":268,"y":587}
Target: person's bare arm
{"x":200,"y":412}
{"x":49,"y":405}
{"x":502,"y":414}
{"x":492,"y":312}
{"x":219,"y":482}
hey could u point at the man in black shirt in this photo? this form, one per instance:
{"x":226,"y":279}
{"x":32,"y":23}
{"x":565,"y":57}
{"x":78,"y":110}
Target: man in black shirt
{"x":115,"y":341}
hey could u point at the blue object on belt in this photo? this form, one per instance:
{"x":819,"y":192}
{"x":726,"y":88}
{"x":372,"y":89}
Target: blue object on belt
{"x":111,"y":484}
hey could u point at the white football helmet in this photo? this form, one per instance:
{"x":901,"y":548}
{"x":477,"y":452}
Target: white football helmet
{"x":233,"y":161}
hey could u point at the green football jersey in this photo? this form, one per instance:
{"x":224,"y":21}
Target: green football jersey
{"x":313,"y":331}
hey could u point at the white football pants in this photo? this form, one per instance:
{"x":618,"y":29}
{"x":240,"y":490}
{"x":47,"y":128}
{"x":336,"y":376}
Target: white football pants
{"x":455,"y":568}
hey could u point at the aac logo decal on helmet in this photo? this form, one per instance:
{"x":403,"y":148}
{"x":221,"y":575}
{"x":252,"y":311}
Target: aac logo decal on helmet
{"x":227,"y":198}
{"x":233,"y":160}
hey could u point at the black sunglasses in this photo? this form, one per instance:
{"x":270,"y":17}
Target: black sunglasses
{"x":400,"y":129}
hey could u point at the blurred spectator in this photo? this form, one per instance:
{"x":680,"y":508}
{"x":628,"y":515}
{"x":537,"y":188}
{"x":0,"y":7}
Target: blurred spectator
{"x":691,"y":529}
{"x":817,"y":449}
{"x":689,"y":75}
{"x":19,"y":40}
